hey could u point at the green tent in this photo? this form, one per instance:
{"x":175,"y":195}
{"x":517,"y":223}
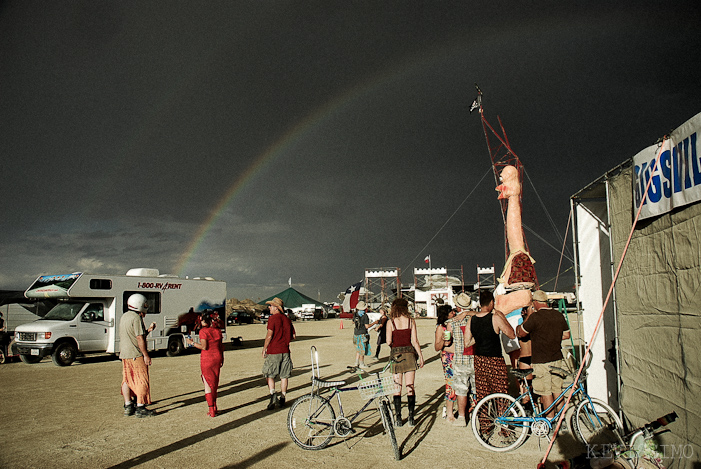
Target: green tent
{"x":291,"y":298}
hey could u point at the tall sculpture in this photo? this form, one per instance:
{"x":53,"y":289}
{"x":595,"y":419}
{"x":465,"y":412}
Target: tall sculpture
{"x":518,"y":277}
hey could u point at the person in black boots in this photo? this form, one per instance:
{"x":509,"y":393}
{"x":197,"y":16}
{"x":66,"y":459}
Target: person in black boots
{"x":406,"y":353}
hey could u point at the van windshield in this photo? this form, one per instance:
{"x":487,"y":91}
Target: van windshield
{"x":64,"y":311}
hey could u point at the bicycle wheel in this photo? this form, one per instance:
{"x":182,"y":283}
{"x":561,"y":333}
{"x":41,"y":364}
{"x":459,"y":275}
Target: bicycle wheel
{"x":310,"y":422}
{"x":386,"y":415}
{"x":597,"y":425}
{"x":494,"y":435}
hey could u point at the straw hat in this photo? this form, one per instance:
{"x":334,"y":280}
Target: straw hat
{"x":463,"y":301}
{"x":541,"y":296}
{"x":361,"y":306}
{"x":277,"y":302}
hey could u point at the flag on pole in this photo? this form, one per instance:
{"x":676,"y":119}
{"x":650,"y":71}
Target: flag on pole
{"x":350,"y":300}
{"x":427,"y":259}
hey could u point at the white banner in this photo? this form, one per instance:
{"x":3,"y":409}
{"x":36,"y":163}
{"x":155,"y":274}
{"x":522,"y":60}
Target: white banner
{"x":676,"y":179}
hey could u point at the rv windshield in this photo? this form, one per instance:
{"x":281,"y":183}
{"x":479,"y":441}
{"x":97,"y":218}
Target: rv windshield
{"x":64,"y":311}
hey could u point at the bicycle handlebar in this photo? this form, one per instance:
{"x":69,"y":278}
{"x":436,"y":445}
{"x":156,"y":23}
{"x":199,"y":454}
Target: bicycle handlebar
{"x":654,"y":425}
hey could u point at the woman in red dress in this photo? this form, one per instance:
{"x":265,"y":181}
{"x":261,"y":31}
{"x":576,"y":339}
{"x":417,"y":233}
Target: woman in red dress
{"x":211,"y":358}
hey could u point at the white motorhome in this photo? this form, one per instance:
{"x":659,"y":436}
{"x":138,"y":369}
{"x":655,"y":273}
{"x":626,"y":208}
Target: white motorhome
{"x":90,"y":306}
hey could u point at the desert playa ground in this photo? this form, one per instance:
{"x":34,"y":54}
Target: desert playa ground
{"x":72,"y":417}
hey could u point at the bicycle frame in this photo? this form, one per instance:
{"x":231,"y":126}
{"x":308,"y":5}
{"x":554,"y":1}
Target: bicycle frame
{"x":313,"y":426}
{"x":336,"y":392}
{"x":526,"y":421}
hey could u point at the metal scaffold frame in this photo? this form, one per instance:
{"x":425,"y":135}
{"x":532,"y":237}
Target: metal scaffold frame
{"x":486,"y":277}
{"x":382,"y":286}
{"x":501,"y":155}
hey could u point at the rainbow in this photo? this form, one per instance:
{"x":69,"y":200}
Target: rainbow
{"x":287,"y":140}
{"x":295,"y":133}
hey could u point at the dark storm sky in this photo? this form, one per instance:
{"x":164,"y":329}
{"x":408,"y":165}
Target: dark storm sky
{"x":340,"y":130}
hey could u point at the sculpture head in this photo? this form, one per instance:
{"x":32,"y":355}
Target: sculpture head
{"x":510,"y":185}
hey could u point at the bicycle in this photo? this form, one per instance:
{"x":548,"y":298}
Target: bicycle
{"x":627,"y":455}
{"x":500,"y":423}
{"x":312,"y":421}
{"x":632,"y":453}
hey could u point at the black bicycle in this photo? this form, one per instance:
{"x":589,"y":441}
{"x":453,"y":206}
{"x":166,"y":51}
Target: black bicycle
{"x":630,"y":452}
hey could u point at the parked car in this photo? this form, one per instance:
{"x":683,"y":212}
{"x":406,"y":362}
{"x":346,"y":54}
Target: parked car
{"x":306,"y":315}
{"x":239,"y":317}
{"x":265,"y":315}
{"x":320,"y":313}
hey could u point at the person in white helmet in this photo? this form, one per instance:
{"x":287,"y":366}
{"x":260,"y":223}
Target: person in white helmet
{"x":135,"y":357}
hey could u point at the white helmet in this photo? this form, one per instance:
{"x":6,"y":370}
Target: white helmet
{"x":137,"y":302}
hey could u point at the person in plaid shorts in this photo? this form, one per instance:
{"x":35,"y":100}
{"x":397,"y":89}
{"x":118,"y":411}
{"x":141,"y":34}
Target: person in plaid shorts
{"x":463,"y":364}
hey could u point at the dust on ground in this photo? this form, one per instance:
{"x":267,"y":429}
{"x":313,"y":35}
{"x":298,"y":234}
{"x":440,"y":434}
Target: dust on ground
{"x":72,"y":416}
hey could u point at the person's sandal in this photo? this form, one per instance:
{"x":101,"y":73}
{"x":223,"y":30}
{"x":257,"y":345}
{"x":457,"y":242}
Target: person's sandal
{"x":459,"y":422}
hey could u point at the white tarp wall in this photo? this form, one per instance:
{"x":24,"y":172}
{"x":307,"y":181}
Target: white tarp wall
{"x":592,"y":243}
{"x":16,"y":315}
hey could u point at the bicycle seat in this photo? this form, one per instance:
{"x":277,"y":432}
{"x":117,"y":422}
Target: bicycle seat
{"x":327,"y":384}
{"x":521,"y":374}
{"x":559,"y":372}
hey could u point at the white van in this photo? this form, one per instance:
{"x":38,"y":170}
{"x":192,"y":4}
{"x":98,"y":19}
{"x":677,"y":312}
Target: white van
{"x":90,"y":306}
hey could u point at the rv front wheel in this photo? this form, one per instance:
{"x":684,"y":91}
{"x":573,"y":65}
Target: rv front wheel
{"x":64,"y":354}
{"x":30,"y":359}
{"x":175,"y":347}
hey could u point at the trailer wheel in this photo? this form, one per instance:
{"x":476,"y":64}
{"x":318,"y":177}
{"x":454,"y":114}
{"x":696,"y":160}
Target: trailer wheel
{"x":64,"y":354}
{"x":175,"y":346}
{"x":30,"y":359}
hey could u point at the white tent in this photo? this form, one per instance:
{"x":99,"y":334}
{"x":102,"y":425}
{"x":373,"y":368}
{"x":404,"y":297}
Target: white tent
{"x":645,"y":357}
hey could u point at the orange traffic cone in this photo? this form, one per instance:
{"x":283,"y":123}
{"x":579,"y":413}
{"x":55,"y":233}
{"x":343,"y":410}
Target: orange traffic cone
{"x":341,"y":324}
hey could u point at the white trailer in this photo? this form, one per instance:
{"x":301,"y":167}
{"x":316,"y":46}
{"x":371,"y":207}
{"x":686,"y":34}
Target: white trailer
{"x":20,"y":312}
{"x":90,"y":306}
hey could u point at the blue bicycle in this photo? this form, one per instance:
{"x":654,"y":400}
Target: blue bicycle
{"x":500,"y":423}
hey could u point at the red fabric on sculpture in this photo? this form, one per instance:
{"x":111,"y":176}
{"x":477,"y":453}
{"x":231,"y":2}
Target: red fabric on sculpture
{"x":522,"y":269}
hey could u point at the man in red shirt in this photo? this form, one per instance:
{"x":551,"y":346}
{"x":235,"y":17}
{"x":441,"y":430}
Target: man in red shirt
{"x":276,"y":351}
